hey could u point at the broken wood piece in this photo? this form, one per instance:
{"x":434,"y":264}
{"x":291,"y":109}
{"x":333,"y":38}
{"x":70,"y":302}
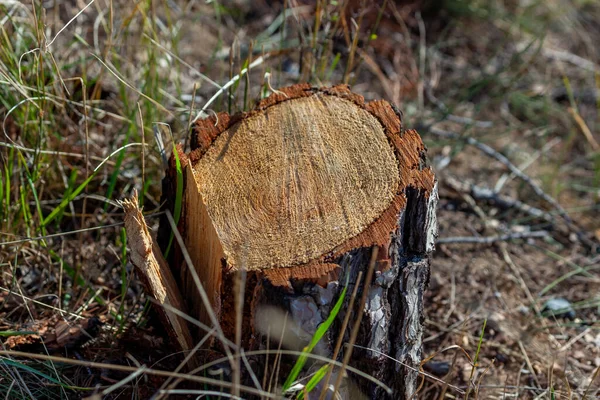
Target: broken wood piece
{"x":297,"y":192}
{"x":156,"y":275}
{"x":54,"y":334}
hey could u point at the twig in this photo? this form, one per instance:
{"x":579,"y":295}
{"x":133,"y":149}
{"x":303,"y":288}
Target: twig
{"x":571,"y":58}
{"x":506,"y":177}
{"x":425,"y":374}
{"x":53,"y":235}
{"x":126,"y":368}
{"x":481,"y":193}
{"x":422,"y":60}
{"x":316,"y":357}
{"x":67,"y":24}
{"x":492,"y":239}
{"x":201,"y":393}
{"x":585,"y":395}
{"x":237,"y":77}
{"x":489,"y":151}
{"x":584,"y":129}
{"x":528,"y":362}
{"x":140,"y":371}
{"x":172,"y":385}
{"x":455,"y":118}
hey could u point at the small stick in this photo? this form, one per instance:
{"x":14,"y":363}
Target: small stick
{"x":584,"y":129}
{"x":143,"y":134}
{"x":455,"y":118}
{"x":489,"y":151}
{"x":189,"y":125}
{"x":422,"y":60}
{"x":506,"y":177}
{"x":126,"y":368}
{"x":492,"y":239}
{"x":481,"y":193}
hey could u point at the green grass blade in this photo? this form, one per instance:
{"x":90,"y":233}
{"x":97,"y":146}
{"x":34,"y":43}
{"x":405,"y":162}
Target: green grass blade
{"x":334,"y":64}
{"x":16,"y":333}
{"x":178,"y":197}
{"x":16,"y":364}
{"x":66,"y":200}
{"x":2,"y":209}
{"x":314,"y":381}
{"x":115,"y":175}
{"x":70,"y":185}
{"x":79,"y":280}
{"x":321,"y":330}
{"x":124,"y":281}
{"x":34,"y":371}
{"x":476,"y":358}
{"x":37,"y":206}
{"x":25,"y":210}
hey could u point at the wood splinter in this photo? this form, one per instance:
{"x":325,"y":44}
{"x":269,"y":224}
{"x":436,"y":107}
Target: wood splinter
{"x":296,"y":193}
{"x":155,"y":274}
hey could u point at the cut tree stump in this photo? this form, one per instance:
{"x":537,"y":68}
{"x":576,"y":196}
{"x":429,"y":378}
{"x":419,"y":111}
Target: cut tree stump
{"x":299,"y":194}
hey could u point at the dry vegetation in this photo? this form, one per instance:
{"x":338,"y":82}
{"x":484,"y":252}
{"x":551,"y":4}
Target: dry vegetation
{"x":505,"y":94}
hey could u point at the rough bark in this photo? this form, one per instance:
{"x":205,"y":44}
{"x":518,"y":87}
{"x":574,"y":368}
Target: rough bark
{"x":293,"y":283}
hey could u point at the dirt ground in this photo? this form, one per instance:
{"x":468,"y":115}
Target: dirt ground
{"x":504,"y":93}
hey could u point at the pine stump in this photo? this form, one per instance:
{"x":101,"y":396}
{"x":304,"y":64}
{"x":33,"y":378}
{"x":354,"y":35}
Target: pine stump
{"x":296,"y":197}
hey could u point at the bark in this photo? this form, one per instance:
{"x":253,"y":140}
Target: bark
{"x":293,"y":282}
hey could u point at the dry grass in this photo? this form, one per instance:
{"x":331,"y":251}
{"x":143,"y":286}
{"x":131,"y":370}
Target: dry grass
{"x":83,"y":82}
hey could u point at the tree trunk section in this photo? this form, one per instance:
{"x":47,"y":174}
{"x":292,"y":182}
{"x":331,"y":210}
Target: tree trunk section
{"x":296,"y":194}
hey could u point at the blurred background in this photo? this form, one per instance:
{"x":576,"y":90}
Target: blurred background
{"x":93,"y":95}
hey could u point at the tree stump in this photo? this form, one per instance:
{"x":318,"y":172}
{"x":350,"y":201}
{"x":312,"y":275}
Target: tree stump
{"x":297,"y":194}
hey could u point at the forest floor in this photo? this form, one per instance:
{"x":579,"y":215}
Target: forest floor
{"x":504,"y":94}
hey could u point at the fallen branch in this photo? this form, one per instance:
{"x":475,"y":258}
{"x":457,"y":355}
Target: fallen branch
{"x":489,"y":151}
{"x":485,"y":194}
{"x":506,"y":177}
{"x":584,"y":129}
{"x":455,"y":118}
{"x":492,"y":239}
